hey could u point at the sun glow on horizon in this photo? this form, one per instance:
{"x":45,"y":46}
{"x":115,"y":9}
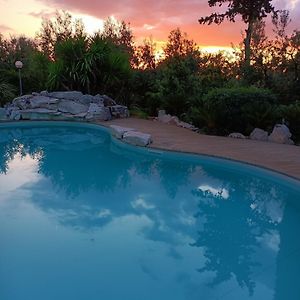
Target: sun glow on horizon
{"x":216,"y":49}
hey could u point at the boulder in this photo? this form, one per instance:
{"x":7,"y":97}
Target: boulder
{"x":97,"y":112}
{"x":187,"y":126}
{"x":86,"y":99}
{"x":281,"y":134}
{"x":119,"y":111}
{"x":118,"y":131}
{"x":15,"y":115}
{"x":72,"y":95}
{"x":161,"y":113}
{"x":22,"y":102}
{"x":236,"y":135}
{"x":44,"y":93}
{"x":164,"y":118}
{"x":174,"y":121}
{"x":42,"y":101}
{"x":64,"y":105}
{"x":107,"y":101}
{"x":38,"y":114}
{"x":137,"y":138}
{"x":74,"y":108}
{"x":98,"y":99}
{"x":259,"y":135}
{"x":3,"y":114}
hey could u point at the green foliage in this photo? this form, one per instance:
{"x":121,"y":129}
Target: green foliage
{"x":118,"y":33}
{"x":35,"y":64}
{"x":7,"y":92}
{"x":62,"y":28}
{"x":291,"y":115}
{"x":137,"y":112}
{"x":92,"y":66}
{"x":179,"y":44}
{"x":240,"y":109}
{"x":216,"y":92}
{"x":144,"y":57}
{"x":178,"y":84}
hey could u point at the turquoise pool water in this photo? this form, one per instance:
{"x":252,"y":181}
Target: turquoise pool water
{"x":84,"y":217}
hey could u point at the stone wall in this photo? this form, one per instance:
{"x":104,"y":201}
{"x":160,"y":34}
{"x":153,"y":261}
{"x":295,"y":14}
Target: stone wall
{"x":71,"y":105}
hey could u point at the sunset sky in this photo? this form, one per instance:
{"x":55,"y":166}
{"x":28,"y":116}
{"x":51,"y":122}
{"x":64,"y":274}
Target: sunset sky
{"x":147,"y":18}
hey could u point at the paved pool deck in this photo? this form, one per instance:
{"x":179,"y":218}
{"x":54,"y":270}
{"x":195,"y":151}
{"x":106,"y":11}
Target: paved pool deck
{"x":281,"y":158}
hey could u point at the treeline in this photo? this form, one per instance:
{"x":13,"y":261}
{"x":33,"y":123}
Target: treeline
{"x":213,"y":91}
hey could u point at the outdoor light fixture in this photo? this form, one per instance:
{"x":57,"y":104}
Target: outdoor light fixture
{"x":19,"y":66}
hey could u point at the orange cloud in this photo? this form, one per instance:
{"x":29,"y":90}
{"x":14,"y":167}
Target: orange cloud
{"x":158,"y":18}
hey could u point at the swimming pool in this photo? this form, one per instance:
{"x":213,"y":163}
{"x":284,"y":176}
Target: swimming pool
{"x":85,"y":217}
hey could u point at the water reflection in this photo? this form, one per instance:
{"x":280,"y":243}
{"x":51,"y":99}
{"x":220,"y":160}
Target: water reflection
{"x":223,"y":234}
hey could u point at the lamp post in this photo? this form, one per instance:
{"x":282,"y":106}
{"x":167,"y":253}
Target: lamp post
{"x":19,"y":66}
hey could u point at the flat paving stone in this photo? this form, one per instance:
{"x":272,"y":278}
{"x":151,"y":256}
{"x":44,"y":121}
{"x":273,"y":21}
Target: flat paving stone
{"x":281,"y":158}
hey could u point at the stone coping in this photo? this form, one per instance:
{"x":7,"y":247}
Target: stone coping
{"x":283,"y":159}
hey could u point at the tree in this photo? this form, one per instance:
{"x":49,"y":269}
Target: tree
{"x":62,"y":28}
{"x":145,"y":55}
{"x":179,"y":44}
{"x":35,"y":65}
{"x":251,"y":11}
{"x":118,"y":33}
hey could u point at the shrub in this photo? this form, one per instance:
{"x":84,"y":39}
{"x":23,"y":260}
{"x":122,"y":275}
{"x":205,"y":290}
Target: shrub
{"x":7,"y":92}
{"x":177,"y":84}
{"x":291,"y":115}
{"x":225,"y":110}
{"x":137,"y":112}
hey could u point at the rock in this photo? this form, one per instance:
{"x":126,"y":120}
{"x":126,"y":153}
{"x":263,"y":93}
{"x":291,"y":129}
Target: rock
{"x":68,"y":106}
{"x":119,"y":111}
{"x":236,"y":135}
{"x":38,"y":114}
{"x":164,"y":118}
{"x":72,"y":95}
{"x":137,"y":138}
{"x":42,"y":101}
{"x":98,"y":99}
{"x":161,"y":113}
{"x":107,"y":101}
{"x":118,"y":131}
{"x":96,"y":112}
{"x":187,"y":126}
{"x":259,"y":135}
{"x":15,"y":115}
{"x":22,"y":102}
{"x":86,"y":99}
{"x":281,"y":134}
{"x":3,"y":114}
{"x":174,"y":121}
{"x":44,"y":93}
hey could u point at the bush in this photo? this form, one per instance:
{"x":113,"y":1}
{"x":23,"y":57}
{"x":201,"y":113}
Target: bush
{"x":177,"y":84}
{"x":7,"y":92}
{"x":291,"y":115}
{"x":241,"y":109}
{"x":136,"y":112}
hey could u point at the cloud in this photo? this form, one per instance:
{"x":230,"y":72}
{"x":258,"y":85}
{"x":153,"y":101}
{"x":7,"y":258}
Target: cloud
{"x":158,"y":18}
{"x":44,"y":14}
{"x":5,"y":29}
